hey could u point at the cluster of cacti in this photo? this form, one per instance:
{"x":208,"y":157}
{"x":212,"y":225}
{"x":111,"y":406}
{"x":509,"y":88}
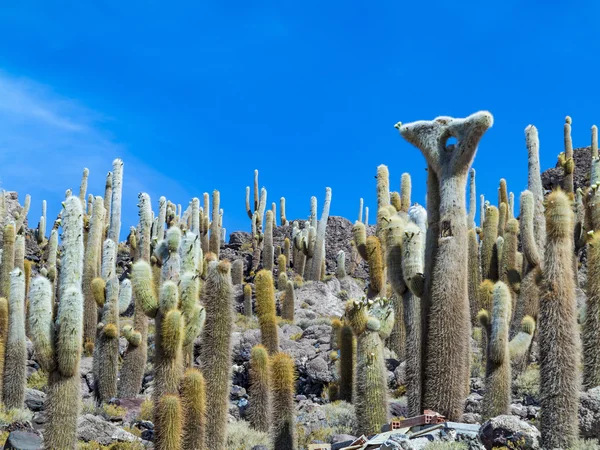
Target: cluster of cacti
{"x":432,"y":276}
{"x":371,"y":322}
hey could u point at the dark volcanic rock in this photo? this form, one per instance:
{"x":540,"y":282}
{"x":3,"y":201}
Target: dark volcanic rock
{"x":581,"y":177}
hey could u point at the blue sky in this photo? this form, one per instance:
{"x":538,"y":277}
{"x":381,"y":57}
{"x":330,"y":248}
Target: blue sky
{"x":194,"y":96}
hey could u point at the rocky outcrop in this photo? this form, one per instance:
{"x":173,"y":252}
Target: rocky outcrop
{"x":509,"y":432}
{"x":95,"y":428}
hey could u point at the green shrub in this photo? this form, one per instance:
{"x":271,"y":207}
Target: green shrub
{"x":146,"y":410}
{"x":240,"y":436}
{"x":586,"y":444}
{"x":9,"y":416}
{"x":38,"y":380}
{"x":528,"y":383}
{"x":446,"y":446}
{"x":112,"y":411}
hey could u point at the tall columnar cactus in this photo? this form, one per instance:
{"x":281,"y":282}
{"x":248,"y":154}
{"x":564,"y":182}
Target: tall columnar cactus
{"x":347,"y":344}
{"x":193,"y":399}
{"x":90,"y":271}
{"x":340,"y":269}
{"x":40,"y":233}
{"x":169,"y":412}
{"x":529,"y":289}
{"x":359,"y":236}
{"x":502,"y":215}
{"x":591,"y":324}
{"x":265,"y":310}
{"x":58,"y":342}
{"x":283,"y":380}
{"x":134,"y":361}
{"x":319,"y":254}
{"x":107,"y":344}
{"x":565,"y":159}
{"x":448,"y":311}
{"x":558,"y":329}
{"x":268,"y":250}
{"x":259,"y":410}
{"x":289,"y":302}
{"x":394,"y":234}
{"x":16,"y":350}
{"x":405,"y":191}
{"x":371,"y":322}
{"x":413,"y":247}
{"x":376,"y":267}
{"x":19,"y":261}
{"x":237,"y":271}
{"x":472,"y":200}
{"x":22,"y":215}
{"x":3,"y":338}
{"x":8,"y":259}
{"x":248,"y":300}
{"x":474,"y":274}
{"x":496,"y":400}
{"x":215,"y":351}
{"x":489,"y":270}
{"x":215,"y":228}
{"x":509,"y":271}
{"x":115,"y":208}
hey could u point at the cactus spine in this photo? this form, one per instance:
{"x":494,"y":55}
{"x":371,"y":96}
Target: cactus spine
{"x":260,"y":389}
{"x":558,"y":339}
{"x":265,"y":310}
{"x":448,"y":311}
{"x":16,"y":350}
{"x":215,"y":351}
{"x":283,"y":381}
{"x":566,"y":158}
{"x":20,"y":219}
{"x":376,"y":268}
{"x":60,"y":342}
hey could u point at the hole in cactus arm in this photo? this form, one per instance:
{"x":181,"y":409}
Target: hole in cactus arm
{"x":446,"y":229}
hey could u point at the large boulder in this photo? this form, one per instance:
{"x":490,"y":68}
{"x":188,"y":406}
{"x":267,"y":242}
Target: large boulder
{"x":95,"y":428}
{"x":23,"y":440}
{"x":589,"y":414}
{"x":509,"y":432}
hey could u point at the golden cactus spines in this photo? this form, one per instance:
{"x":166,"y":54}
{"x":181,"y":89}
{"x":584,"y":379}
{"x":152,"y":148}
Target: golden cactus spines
{"x":260,"y":389}
{"x":283,"y":380}
{"x":375,"y":260}
{"x":265,"y":310}
{"x":169,"y":413}
{"x":193,"y":402}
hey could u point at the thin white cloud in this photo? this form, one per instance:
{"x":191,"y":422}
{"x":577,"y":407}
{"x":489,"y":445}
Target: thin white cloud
{"x":47,"y":139}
